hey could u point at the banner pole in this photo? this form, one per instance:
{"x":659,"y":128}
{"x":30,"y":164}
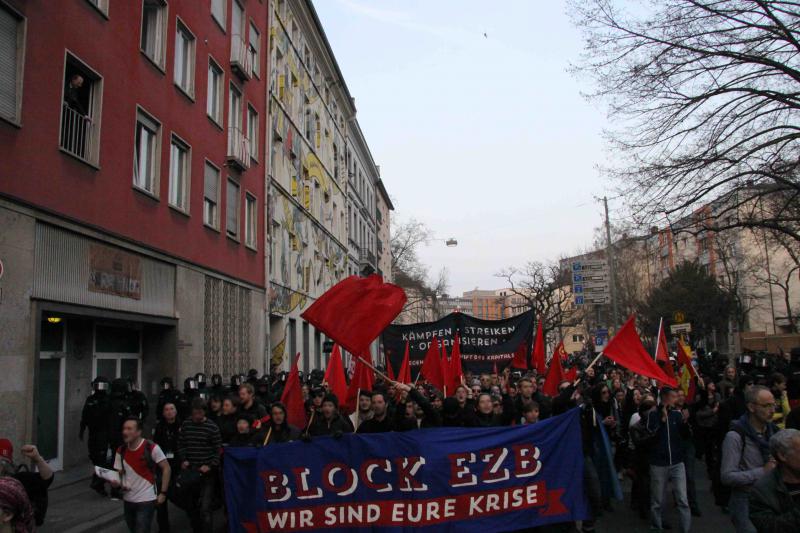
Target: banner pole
{"x":381,"y":374}
{"x":588,"y":367}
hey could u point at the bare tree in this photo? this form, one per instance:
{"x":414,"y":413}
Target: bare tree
{"x":779,"y":266}
{"x":706,"y":98}
{"x":544,"y":288}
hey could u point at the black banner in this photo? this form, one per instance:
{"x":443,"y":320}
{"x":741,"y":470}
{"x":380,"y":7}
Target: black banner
{"x":484,"y":343}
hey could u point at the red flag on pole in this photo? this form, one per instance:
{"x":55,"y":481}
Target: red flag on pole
{"x":521,"y":357}
{"x":538,"y":351}
{"x":626,"y":349}
{"x":688,"y":372}
{"x":662,"y":355}
{"x":571,"y":374}
{"x":389,"y":370}
{"x":432,"y":365}
{"x":334,"y":375}
{"x":292,"y":397}
{"x":355,"y":311}
{"x":555,"y":374}
{"x":404,"y":376}
{"x":362,"y":380}
{"x":456,"y":372}
{"x":447,"y":387}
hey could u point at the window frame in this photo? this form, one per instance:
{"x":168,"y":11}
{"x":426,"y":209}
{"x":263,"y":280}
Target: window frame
{"x":156,"y":159}
{"x":161,"y":62}
{"x":221,"y":23}
{"x":237,"y":236}
{"x":253,"y":145}
{"x":22,"y":31}
{"x":213,"y":64}
{"x":216,"y":222}
{"x":101,"y":6}
{"x":181,"y":27}
{"x":95,"y":108}
{"x":255,"y":63}
{"x":176,"y":139}
{"x":250,"y":220}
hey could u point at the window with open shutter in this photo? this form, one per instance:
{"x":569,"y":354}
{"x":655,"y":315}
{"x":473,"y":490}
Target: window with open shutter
{"x":232,"y":209}
{"x":10,"y":31}
{"x":211,"y":195}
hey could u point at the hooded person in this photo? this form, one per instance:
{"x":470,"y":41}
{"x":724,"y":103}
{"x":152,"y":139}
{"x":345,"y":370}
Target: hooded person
{"x":244,"y":431}
{"x":276,"y":430}
{"x":330,"y":421}
{"x":15,"y":508}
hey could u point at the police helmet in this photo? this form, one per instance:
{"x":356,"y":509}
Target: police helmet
{"x":167,"y":384}
{"x":190,"y":384}
{"x":100,"y":383}
{"x":236,"y":380}
{"x":201,"y":380}
{"x":120,"y":386}
{"x":216,"y":380}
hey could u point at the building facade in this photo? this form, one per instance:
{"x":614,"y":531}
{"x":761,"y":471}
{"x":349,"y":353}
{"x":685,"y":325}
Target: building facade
{"x":321,"y":182}
{"x":383,"y":248}
{"x":131,"y":202}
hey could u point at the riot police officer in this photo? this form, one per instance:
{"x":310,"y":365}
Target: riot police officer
{"x":190,"y":389}
{"x":137,"y":401}
{"x":95,"y":416}
{"x":202,"y":383}
{"x":262,"y":390}
{"x":217,"y":388}
{"x":169,"y":394}
{"x":120,"y":411}
{"x":236,"y":380}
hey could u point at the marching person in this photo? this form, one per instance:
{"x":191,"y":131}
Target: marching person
{"x":199,"y":447}
{"x":277,"y":430}
{"x":249,"y":404}
{"x":666,"y":460}
{"x":165,"y":434}
{"x":95,"y":417}
{"x":331,"y":422}
{"x":16,"y":515}
{"x":746,"y":453}
{"x":364,"y":411}
{"x":775,"y":498}
{"x":138,"y":461}
{"x":36,"y":484}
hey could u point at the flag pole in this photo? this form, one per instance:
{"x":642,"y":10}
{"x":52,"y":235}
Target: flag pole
{"x":588,"y":367}
{"x":381,"y":374}
{"x":658,"y":344}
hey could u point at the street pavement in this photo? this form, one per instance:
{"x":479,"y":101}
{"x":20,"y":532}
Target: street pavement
{"x":75,"y":508}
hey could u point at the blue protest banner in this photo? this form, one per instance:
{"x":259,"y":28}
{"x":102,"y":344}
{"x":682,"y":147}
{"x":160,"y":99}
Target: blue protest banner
{"x":442,"y":479}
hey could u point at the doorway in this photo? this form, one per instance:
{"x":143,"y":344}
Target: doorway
{"x":117,"y":352}
{"x":51,"y":385}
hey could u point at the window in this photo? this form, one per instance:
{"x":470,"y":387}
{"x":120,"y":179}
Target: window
{"x":214,"y":103}
{"x":254,"y":48}
{"x":235,"y":108}
{"x":12,"y":46}
{"x":180,"y":164}
{"x":100,"y":5}
{"x":211,"y":196}
{"x":80,"y":111}
{"x":218,"y":12}
{"x":250,"y":220}
{"x":154,"y":31}
{"x":146,"y":156}
{"x":184,"y":59}
{"x":232,"y":209}
{"x":252,"y":131}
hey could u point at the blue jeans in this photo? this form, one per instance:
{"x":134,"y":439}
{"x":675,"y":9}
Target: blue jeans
{"x":660,"y":477}
{"x":739,"y":506}
{"x":139,"y":516}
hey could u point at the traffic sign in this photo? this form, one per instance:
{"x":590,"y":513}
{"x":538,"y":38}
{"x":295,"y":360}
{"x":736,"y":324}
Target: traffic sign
{"x":677,"y":329}
{"x":578,"y":300}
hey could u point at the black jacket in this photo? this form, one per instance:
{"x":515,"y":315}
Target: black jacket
{"x":772,"y":508}
{"x":337,"y":425}
{"x":166,"y":436}
{"x":227,"y":427}
{"x":284,"y":433}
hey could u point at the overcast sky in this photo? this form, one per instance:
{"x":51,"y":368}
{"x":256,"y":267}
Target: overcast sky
{"x":485,"y":138}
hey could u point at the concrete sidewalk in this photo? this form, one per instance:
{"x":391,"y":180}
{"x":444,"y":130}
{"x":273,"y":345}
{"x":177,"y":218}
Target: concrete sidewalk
{"x":75,"y":508}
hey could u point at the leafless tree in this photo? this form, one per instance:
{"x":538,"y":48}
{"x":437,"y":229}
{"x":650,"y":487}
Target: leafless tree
{"x":779,"y":266}
{"x":705,"y":96}
{"x":545,"y":287}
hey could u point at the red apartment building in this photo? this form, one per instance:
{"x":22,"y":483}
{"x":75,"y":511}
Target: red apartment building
{"x":132,"y":186}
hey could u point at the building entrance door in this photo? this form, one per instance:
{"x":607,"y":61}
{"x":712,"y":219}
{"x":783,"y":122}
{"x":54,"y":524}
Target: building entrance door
{"x":50,"y":393}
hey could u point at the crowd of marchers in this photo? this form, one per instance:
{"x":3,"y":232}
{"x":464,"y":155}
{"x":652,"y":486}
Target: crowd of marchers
{"x":740,"y":427}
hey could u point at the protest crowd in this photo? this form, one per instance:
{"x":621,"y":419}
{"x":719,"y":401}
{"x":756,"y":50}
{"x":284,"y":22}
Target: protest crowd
{"x":734,"y":427}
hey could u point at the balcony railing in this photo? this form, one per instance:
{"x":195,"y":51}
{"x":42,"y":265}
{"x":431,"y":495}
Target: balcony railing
{"x":241,"y":57}
{"x":238,"y":148}
{"x":77,"y":134}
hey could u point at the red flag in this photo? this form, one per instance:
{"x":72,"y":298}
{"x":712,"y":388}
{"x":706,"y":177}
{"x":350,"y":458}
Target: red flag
{"x":354,"y":311}
{"x":521,"y":357}
{"x":555,"y":374}
{"x":432,"y":365}
{"x":292,"y":397}
{"x":334,"y":375}
{"x":389,"y":370}
{"x":626,"y":349}
{"x":456,"y":372}
{"x":361,"y":380}
{"x":571,"y":374}
{"x":662,"y":355}
{"x":404,"y":376}
{"x":446,"y":379}
{"x":538,"y":351}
